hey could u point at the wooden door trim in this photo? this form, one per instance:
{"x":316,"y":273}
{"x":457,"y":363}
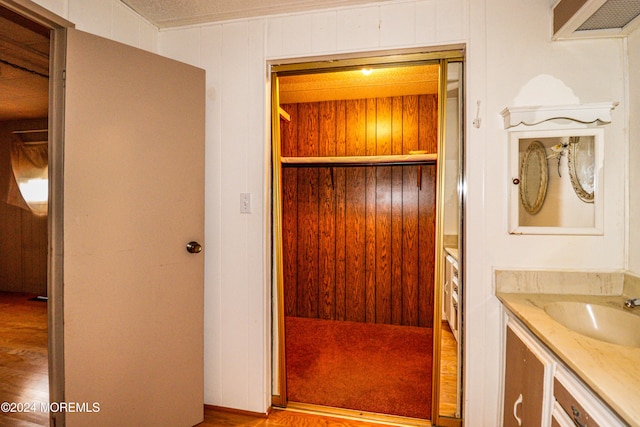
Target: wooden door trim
{"x":58,"y":26}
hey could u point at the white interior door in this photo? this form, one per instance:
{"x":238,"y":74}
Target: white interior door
{"x":133,"y":199}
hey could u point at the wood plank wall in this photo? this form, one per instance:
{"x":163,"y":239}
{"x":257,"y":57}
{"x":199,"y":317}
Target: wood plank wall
{"x":360,"y":246}
{"x":23,"y":235}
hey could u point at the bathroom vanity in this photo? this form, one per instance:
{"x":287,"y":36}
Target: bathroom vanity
{"x":557,"y":374}
{"x":451,"y":290}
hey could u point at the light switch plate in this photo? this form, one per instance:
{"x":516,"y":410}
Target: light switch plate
{"x":245,"y":202}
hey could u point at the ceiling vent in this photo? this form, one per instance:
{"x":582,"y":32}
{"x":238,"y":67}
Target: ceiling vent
{"x":595,"y":18}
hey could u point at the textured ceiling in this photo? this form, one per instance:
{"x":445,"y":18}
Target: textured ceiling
{"x":175,"y":13}
{"x":354,"y":84}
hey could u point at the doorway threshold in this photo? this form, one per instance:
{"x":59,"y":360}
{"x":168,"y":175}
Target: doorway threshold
{"x":350,"y":414}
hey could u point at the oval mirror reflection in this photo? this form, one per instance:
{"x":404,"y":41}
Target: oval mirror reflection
{"x":533,"y":178}
{"x":582,"y":167}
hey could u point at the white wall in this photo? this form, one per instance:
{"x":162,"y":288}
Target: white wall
{"x":106,"y":18}
{"x":634,"y":153}
{"x":235,"y":55}
{"x":508,"y":46}
{"x":518,"y":53}
{"x":505,"y":51}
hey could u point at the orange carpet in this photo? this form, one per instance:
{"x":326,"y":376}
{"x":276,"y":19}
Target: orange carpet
{"x":362,"y":366}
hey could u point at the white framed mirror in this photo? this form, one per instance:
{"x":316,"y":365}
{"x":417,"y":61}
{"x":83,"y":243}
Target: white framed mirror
{"x":556,"y":181}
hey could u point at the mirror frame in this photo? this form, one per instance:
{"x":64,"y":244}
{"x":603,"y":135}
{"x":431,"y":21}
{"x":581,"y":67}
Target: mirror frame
{"x":535,"y":153}
{"x":581,"y":192}
{"x":514,"y":181}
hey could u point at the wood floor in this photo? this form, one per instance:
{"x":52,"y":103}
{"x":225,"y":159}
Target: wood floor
{"x":23,"y":358}
{"x":24,"y":376}
{"x":281,"y":418}
{"x":448,"y":372}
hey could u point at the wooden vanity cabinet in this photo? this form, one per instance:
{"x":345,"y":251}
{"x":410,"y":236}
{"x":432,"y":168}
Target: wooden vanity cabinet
{"x":579,"y":404}
{"x":559,"y":418}
{"x":528,"y":373}
{"x":451,"y":294}
{"x":540,"y":391}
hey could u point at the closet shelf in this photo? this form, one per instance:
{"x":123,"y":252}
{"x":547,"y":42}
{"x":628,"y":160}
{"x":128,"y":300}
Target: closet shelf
{"x":392,"y":160}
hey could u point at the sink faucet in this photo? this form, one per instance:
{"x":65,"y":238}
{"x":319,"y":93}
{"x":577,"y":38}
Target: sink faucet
{"x":632,"y":303}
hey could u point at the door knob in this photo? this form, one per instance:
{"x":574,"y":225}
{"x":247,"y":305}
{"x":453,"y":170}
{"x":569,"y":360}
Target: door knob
{"x":194,"y":247}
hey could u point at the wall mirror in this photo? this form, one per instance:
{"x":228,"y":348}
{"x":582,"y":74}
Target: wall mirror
{"x":556,"y":181}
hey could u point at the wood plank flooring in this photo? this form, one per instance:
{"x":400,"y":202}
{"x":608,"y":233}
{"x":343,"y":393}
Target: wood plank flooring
{"x":448,"y":372}
{"x":23,"y":358}
{"x":281,"y":418}
{"x":24,"y":377}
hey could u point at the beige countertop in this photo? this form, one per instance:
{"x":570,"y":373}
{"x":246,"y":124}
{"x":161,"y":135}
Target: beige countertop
{"x":611,"y":371}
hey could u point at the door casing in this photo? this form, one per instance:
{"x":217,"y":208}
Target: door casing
{"x":301,"y":65}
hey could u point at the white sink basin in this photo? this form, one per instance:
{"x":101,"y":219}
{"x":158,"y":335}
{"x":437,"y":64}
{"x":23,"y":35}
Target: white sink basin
{"x":597,"y":321}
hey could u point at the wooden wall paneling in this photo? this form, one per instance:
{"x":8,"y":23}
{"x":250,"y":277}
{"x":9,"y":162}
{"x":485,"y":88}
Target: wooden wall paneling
{"x":383,"y":214}
{"x":428,"y":123}
{"x":397,"y":288}
{"x":370,"y":213}
{"x":397,"y":106}
{"x":366,"y":241}
{"x":355,"y":212}
{"x":370,"y":244}
{"x":11,"y":246}
{"x":327,"y":246}
{"x":288,"y":135}
{"x":355,"y":245}
{"x":383,"y":127}
{"x":410,"y":255}
{"x":356,"y":134}
{"x":290,"y":239}
{"x":308,"y":213}
{"x":34,"y":253}
{"x":426,"y":244}
{"x":327,"y":128}
{"x":340,"y":221}
{"x":410,"y":123}
{"x":289,"y":132}
{"x":383,"y":245}
{"x":307,"y":280}
{"x":327,"y":227}
{"x":308,"y":129}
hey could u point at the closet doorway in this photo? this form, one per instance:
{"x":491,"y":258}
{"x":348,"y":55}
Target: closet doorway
{"x":358,"y":204}
{"x":24,"y":102}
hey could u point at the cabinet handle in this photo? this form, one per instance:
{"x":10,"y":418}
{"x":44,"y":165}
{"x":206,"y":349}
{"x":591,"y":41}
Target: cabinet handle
{"x":515,"y":410}
{"x":576,"y":415}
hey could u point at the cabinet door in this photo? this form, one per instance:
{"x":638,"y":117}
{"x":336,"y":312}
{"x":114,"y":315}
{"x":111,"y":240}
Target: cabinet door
{"x":579,"y":405}
{"x":446,"y":303}
{"x":524,"y":384}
